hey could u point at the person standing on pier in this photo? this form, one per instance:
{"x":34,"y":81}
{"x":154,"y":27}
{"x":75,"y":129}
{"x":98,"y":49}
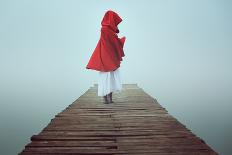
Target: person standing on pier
{"x":107,"y":56}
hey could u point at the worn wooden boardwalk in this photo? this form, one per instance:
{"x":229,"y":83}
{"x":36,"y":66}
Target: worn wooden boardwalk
{"x":135,"y":124}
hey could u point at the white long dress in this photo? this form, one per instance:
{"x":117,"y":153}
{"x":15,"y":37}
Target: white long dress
{"x":109,"y":82}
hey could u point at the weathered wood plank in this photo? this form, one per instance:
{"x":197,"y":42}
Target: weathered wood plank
{"x":135,"y":124}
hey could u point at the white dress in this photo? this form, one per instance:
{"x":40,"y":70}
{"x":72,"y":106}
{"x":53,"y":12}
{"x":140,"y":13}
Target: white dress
{"x":109,"y":82}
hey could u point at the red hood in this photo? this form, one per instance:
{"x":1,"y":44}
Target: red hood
{"x":111,"y":19}
{"x":108,"y":53}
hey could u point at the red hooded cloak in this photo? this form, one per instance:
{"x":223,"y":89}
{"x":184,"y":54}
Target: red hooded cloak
{"x":108,"y":53}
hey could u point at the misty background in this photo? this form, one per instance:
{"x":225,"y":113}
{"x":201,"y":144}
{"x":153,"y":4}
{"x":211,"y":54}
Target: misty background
{"x":178,"y":51}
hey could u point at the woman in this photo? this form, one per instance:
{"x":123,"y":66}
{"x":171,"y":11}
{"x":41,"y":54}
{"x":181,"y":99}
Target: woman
{"x":107,"y":56}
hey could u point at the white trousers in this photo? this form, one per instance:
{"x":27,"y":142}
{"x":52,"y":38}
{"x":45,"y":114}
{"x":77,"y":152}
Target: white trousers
{"x":109,"y":82}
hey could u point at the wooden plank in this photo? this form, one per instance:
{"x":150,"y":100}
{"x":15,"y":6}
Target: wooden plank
{"x":134,"y":124}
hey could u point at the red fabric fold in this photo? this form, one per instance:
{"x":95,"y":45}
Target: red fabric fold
{"x":108,"y":53}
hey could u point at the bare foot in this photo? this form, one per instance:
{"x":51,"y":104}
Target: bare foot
{"x":110,"y":95}
{"x":105,"y":100}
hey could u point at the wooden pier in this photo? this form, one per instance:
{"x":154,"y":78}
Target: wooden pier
{"x":135,"y":124}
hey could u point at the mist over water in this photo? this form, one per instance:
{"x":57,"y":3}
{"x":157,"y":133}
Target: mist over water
{"x":179,"y":52}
